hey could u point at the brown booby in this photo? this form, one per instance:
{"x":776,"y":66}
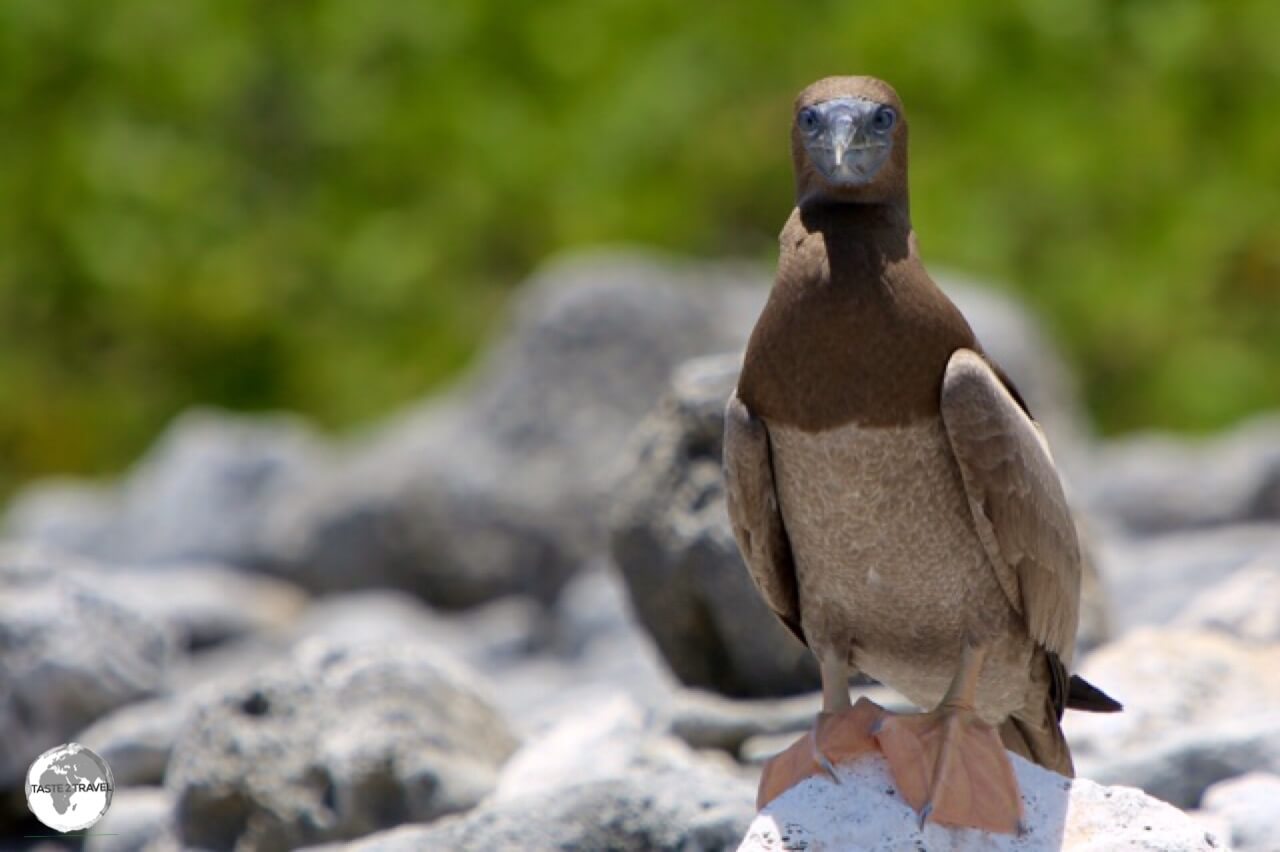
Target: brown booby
{"x":896,"y":504}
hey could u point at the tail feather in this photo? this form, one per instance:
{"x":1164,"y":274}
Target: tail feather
{"x":1043,"y":744}
{"x":1082,"y":695}
{"x":1038,"y":736}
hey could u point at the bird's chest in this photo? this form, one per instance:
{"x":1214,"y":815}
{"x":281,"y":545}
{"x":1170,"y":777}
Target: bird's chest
{"x":886,"y":553}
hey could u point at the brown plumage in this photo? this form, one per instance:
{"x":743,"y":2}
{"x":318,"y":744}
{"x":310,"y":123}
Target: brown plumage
{"x":892,"y":498}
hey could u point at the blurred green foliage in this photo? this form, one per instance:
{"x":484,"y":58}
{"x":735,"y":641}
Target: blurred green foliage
{"x":321,"y":206}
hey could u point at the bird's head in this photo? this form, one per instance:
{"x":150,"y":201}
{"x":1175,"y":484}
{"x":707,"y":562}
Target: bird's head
{"x":849,"y":142}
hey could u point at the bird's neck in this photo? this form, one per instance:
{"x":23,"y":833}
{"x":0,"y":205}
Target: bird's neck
{"x":865,"y":248}
{"x":873,"y":222}
{"x":855,"y":330}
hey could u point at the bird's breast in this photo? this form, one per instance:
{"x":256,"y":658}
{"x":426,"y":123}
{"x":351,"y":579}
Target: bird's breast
{"x":889,"y":565}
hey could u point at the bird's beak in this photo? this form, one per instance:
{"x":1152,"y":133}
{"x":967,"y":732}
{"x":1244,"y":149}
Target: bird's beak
{"x":842,"y":132}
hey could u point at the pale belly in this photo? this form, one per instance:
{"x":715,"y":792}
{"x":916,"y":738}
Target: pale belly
{"x":892,"y":575}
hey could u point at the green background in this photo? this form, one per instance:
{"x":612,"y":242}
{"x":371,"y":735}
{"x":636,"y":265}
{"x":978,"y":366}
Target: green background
{"x":322,"y":206}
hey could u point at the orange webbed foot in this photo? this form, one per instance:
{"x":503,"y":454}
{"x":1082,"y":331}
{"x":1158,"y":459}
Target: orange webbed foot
{"x":833,"y":739}
{"x":952,"y":768}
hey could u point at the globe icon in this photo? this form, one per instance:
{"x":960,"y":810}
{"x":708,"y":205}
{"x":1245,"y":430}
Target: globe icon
{"x":69,"y":787}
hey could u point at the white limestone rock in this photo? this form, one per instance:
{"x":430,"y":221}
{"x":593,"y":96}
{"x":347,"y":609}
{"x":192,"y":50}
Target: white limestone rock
{"x":865,"y":812}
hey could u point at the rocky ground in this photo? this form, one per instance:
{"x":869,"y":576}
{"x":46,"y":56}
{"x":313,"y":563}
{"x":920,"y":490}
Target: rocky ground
{"x":513,"y":616}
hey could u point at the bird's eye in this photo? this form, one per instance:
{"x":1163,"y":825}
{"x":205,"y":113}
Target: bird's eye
{"x":884,"y":119}
{"x":808,"y":119}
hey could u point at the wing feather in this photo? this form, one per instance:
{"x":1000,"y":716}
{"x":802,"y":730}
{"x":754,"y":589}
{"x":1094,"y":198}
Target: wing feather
{"x":754,"y":514}
{"x":1017,"y":500}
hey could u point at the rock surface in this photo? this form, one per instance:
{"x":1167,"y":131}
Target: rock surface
{"x":138,"y":818}
{"x":643,"y":812}
{"x":1180,"y":767}
{"x":68,"y":654}
{"x":707,"y":720}
{"x":1245,"y":605}
{"x":201,"y":493}
{"x":63,"y":513}
{"x":1172,"y":680}
{"x":202,"y":605}
{"x":1250,"y":806}
{"x":1153,"y":579}
{"x":1158,"y":483}
{"x":865,"y":812}
{"x":339,"y":743}
{"x":137,"y":739}
{"x":610,"y":738}
{"x":608,"y":776}
{"x":672,"y":542}
{"x":585,"y":650}
{"x":1199,"y":708}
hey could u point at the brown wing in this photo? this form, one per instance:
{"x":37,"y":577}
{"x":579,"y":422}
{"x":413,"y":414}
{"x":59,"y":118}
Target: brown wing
{"x":753,"y":512}
{"x":1017,"y":500}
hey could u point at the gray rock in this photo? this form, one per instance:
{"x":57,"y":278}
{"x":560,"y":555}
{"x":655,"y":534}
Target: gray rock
{"x":68,"y":654}
{"x":1159,"y":576}
{"x":866,"y":812}
{"x":597,"y":652}
{"x":385,"y":616}
{"x":608,"y":775}
{"x":1198,"y":709}
{"x":201,"y":493}
{"x":1180,"y":767}
{"x":139,"y":818}
{"x":438,"y":526}
{"x":497,"y":488}
{"x":1097,"y":621}
{"x":1171,"y":681}
{"x":606,"y":739}
{"x":137,"y":739}
{"x":203,"y":605}
{"x":196,"y":607}
{"x":1249,"y":806}
{"x":706,"y":720}
{"x":1158,"y":483}
{"x":586,"y":649}
{"x":63,"y":513}
{"x":339,"y":742}
{"x":1245,"y":605}
{"x":225,"y":664}
{"x":643,"y":812}
{"x":672,"y":542}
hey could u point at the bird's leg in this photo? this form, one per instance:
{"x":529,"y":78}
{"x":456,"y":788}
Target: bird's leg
{"x":841,"y":732}
{"x":949,"y":764}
